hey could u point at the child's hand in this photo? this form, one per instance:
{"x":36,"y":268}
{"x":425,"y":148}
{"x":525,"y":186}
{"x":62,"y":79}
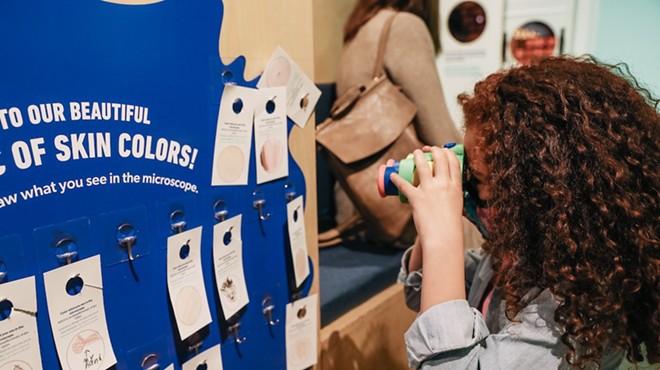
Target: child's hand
{"x":437,"y":201}
{"x":437,"y":204}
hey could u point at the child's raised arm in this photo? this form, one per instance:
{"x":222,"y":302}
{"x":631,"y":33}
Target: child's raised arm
{"x":437,"y":204}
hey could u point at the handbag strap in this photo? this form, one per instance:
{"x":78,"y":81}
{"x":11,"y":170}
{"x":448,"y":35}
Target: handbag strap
{"x":345,"y":101}
{"x":382,"y":43}
{"x":346,"y":231}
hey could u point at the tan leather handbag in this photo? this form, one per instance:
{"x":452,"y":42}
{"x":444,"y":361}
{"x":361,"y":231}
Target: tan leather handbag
{"x":368,"y":125}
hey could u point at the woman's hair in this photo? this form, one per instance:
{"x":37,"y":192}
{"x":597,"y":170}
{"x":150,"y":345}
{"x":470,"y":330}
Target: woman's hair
{"x":365,"y":9}
{"x":572,"y":149}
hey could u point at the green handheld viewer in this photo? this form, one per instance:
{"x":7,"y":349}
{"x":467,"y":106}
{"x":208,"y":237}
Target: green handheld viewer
{"x":406,"y":169}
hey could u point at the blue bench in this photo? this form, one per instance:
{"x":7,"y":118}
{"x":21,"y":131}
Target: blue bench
{"x":351,"y":274}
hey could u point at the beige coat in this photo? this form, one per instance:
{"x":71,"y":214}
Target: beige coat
{"x":410,"y":63}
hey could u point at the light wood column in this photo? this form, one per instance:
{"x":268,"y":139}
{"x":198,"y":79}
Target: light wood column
{"x":253,"y":29}
{"x":329,"y":19}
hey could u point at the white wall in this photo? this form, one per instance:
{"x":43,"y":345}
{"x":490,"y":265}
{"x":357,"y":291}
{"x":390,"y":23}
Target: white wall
{"x":629,"y":31}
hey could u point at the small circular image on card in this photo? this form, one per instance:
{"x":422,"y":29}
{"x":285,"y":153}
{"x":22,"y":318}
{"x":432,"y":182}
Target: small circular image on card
{"x":301,"y":262}
{"x":229,"y":290}
{"x":15,"y":365}
{"x":271,"y":155}
{"x":278,"y":72}
{"x":188,"y":305}
{"x":299,"y":351}
{"x":86,"y":350}
{"x":230,"y":164}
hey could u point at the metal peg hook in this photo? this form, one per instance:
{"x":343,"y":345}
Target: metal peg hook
{"x":221,"y":215}
{"x":68,"y":256}
{"x":3,"y":271}
{"x":195,"y":342}
{"x":259,"y":205}
{"x":195,"y":347}
{"x":219,"y":211}
{"x":234,"y":330}
{"x":227,"y":77}
{"x":150,"y":362}
{"x":289,"y":191}
{"x":127,"y":235}
{"x":268,"y":312}
{"x":67,"y":250}
{"x":178,"y":221}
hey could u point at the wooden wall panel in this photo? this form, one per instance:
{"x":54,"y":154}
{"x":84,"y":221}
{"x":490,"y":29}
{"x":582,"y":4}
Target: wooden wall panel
{"x":253,"y":29}
{"x":370,"y":336}
{"x":329,"y":19}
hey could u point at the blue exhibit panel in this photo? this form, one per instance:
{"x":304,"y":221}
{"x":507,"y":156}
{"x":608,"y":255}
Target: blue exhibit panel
{"x":107,"y":124}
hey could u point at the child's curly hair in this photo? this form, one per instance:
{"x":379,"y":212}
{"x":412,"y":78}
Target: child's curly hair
{"x":572,"y":148}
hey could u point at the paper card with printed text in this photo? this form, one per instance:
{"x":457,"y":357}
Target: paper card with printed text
{"x":228,"y":262}
{"x":302,"y":93}
{"x":19,"y":339}
{"x":233,"y":137}
{"x":74,"y":293}
{"x":185,"y":282}
{"x":270,"y":135}
{"x":297,"y":238}
{"x":210,"y":359}
{"x":301,"y":339}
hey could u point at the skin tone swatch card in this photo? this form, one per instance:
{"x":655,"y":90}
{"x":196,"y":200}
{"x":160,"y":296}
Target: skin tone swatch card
{"x":185,"y":282}
{"x":298,"y":241}
{"x":211,"y":359}
{"x":228,"y":262}
{"x":302,"y":93}
{"x":19,"y":341}
{"x":77,"y":315}
{"x":270,"y":135}
{"x":301,"y":340}
{"x":233,"y":137}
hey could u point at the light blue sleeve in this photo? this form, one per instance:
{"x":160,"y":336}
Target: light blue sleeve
{"x":452,"y":328}
{"x":453,"y":335}
{"x":412,"y":280}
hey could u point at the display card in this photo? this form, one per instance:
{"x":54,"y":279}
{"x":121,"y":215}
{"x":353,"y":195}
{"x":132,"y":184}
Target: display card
{"x":297,"y":238}
{"x":185,"y":282}
{"x":228,"y":262}
{"x":211,"y":359}
{"x":270,"y":135}
{"x":233,"y":136}
{"x":74,"y":293}
{"x":19,"y":340}
{"x":302,"y":93}
{"x":301,"y":339}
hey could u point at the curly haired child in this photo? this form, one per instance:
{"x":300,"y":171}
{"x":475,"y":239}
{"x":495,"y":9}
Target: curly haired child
{"x":562,"y":160}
